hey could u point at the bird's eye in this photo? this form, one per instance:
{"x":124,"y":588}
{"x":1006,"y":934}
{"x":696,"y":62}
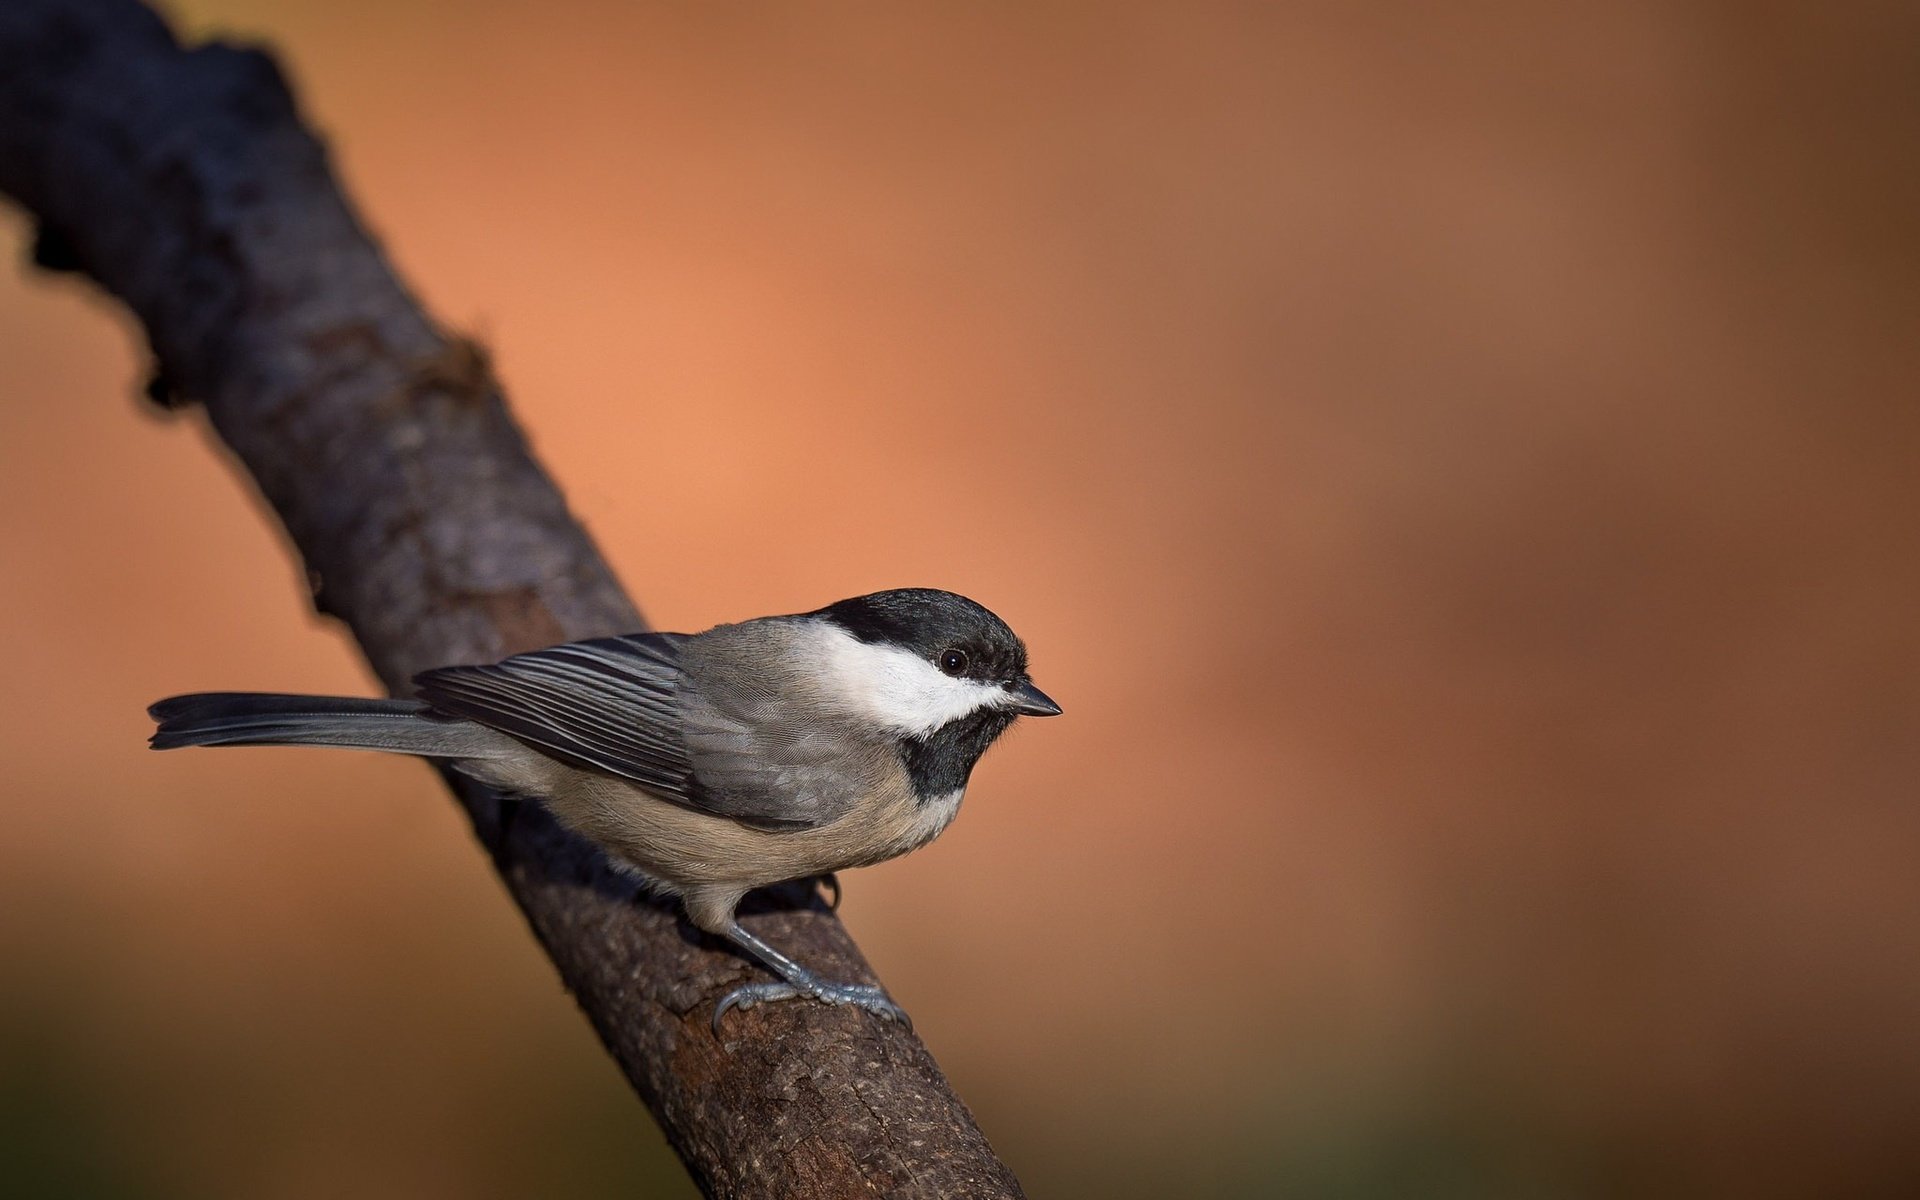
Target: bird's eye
{"x":954,"y":661}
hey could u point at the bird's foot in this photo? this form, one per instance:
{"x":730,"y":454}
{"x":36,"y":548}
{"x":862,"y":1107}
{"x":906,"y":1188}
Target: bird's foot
{"x":829,"y":883}
{"x":859,"y":995}
{"x":797,"y":982}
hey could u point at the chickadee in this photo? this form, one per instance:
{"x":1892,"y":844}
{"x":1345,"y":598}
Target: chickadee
{"x":711,"y":763}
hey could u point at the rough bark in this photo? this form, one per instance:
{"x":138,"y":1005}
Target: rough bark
{"x":185,"y":182}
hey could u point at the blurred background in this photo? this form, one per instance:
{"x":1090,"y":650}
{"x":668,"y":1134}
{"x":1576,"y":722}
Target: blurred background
{"x":1456,"y":466}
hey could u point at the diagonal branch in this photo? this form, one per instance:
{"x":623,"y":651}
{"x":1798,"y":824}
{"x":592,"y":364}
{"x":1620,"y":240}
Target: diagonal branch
{"x":186,"y":184}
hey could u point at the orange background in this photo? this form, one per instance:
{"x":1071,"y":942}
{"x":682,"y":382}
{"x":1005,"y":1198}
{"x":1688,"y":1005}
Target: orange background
{"x":1456,"y":467}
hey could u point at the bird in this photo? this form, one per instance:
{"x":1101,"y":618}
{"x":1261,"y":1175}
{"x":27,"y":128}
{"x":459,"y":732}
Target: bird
{"x":708,"y":764}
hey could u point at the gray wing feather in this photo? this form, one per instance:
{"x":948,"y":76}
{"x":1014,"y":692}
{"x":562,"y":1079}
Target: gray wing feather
{"x":765,"y":743}
{"x":604,"y":705}
{"x":614,"y":705}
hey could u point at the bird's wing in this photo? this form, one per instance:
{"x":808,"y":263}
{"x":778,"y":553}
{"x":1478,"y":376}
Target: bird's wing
{"x":767,"y":752}
{"x":609,"y":705}
{"x":605,"y":704}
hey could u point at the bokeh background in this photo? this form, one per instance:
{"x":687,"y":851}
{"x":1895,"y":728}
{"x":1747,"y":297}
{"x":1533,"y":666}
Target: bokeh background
{"x":1455,"y":464}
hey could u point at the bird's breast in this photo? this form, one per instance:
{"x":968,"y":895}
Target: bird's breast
{"x":902,"y":827}
{"x":683,"y":848}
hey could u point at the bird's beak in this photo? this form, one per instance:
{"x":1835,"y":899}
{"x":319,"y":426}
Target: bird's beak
{"x":1032,"y":702}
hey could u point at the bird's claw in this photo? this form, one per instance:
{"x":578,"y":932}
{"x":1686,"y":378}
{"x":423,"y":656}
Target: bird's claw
{"x":830,"y":883}
{"x":859,"y":995}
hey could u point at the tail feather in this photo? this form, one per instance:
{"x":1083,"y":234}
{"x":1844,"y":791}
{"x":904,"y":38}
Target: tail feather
{"x":265,"y":719}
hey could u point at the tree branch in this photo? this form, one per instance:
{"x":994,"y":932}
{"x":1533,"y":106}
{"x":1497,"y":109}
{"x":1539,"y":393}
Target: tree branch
{"x":185,"y":182}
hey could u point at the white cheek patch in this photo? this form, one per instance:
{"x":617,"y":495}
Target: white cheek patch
{"x":897,"y":688}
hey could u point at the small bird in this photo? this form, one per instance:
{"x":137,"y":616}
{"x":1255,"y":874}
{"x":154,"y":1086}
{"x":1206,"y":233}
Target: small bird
{"x":710,"y":764}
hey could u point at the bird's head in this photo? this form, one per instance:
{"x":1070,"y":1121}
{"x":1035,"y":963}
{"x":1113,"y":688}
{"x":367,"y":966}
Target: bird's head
{"x":917,"y":660}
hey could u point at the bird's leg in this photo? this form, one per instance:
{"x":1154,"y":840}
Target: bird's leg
{"x":797,"y":981}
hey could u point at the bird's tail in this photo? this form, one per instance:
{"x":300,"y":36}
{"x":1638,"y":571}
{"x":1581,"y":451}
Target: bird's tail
{"x":265,"y":719}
